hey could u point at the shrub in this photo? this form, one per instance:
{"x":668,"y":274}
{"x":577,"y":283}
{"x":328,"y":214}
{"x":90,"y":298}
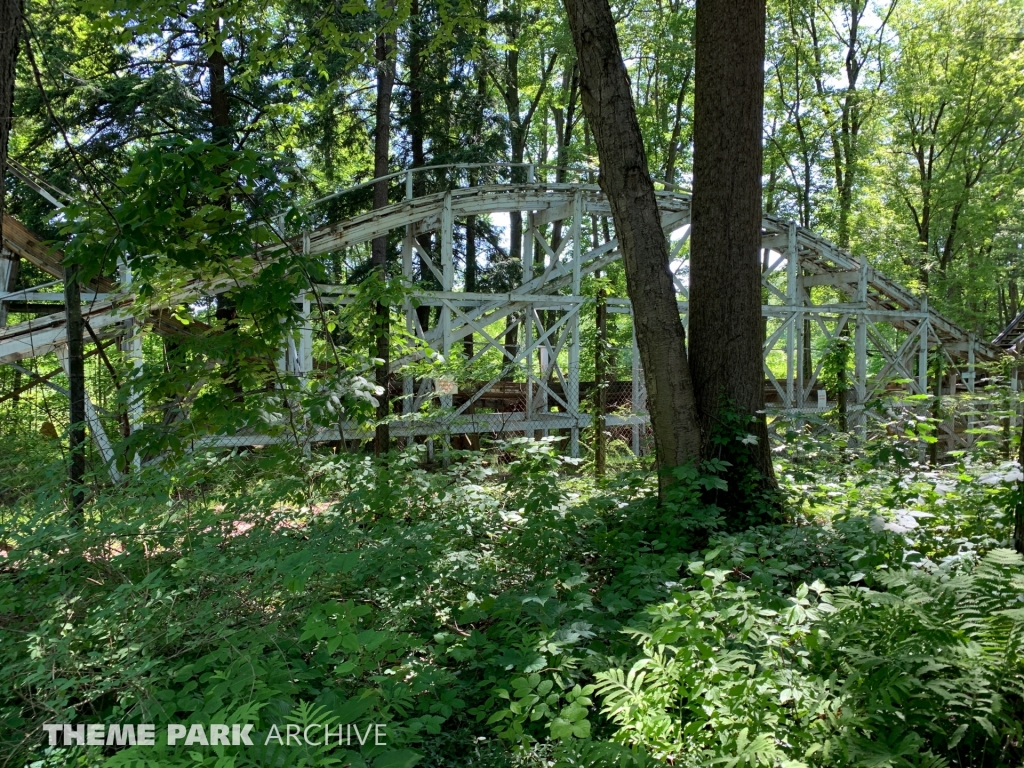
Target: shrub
{"x":927,"y":671}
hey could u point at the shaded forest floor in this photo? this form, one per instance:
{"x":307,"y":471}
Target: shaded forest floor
{"x":506,"y":610}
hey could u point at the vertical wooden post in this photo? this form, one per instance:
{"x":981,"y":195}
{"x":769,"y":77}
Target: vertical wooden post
{"x":9,"y":264}
{"x":76,"y":390}
{"x":305,"y":340}
{"x":794,"y":319}
{"x":933,"y":448}
{"x":922,"y":350}
{"x":573,"y":385}
{"x":971,"y":372}
{"x":408,"y":385}
{"x":527,"y":323}
{"x":132,"y":347}
{"x":447,"y":282}
{"x":860,"y":351}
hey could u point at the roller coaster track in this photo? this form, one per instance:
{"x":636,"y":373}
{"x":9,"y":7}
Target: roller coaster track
{"x":822,"y":264}
{"x":892,"y":329}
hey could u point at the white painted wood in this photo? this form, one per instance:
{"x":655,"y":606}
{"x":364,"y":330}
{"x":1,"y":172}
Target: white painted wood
{"x":92,"y":419}
{"x":635,"y":395}
{"x":8,"y":274}
{"x":572,"y":386}
{"x":922,"y":354}
{"x":792,"y":273}
{"x":447,"y":284}
{"x":810,"y":260}
{"x":860,"y":352}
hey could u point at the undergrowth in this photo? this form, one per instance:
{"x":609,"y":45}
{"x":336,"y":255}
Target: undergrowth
{"x":502,"y":610}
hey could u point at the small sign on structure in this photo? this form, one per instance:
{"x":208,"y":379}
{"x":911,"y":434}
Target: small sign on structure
{"x":445,"y":385}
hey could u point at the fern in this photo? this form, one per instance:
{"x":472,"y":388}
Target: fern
{"x":924,"y":674}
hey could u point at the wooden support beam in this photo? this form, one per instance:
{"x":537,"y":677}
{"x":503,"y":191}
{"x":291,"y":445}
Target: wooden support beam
{"x":23,"y":242}
{"x":9,"y":264}
{"x":33,"y":307}
{"x":37,"y":379}
{"x":831,"y":278}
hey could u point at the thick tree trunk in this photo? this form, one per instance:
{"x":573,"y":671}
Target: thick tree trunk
{"x":726,"y":328}
{"x":76,"y":389}
{"x":626,"y":180}
{"x":381,"y":161}
{"x":12,"y":13}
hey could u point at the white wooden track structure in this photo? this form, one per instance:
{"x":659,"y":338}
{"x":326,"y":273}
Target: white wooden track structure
{"x":892,"y":331}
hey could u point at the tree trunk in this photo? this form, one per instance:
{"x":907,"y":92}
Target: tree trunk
{"x":677,"y":132}
{"x":220,"y":113}
{"x":933,"y":448}
{"x":726,"y":327}
{"x":381,"y":159}
{"x":518,"y":133}
{"x":222,"y":133}
{"x":843,"y":384}
{"x":76,"y":389}
{"x":600,"y":381}
{"x":417,"y":135}
{"x":471,"y":259}
{"x":626,"y":181}
{"x":11,"y":14}
{"x":471,"y":268}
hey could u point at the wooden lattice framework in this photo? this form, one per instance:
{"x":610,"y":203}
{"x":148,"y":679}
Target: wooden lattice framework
{"x":884,"y":319}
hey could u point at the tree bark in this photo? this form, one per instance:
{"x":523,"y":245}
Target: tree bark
{"x":601,"y":381}
{"x":726,"y":328}
{"x":518,"y":134}
{"x":222,"y":133}
{"x":674,"y":144}
{"x":12,"y":13}
{"x":471,"y":256}
{"x":381,"y":160}
{"x":220,"y":111}
{"x":626,"y":181}
{"x":471,"y":269}
{"x":417,"y":135}
{"x":76,"y":390}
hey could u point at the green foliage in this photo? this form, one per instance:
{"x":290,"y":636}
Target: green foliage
{"x":926,"y":671}
{"x":745,"y":495}
{"x":504,"y":602}
{"x":835,"y":364}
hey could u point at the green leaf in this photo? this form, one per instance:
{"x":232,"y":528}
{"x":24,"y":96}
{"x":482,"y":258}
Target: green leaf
{"x":397,"y":758}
